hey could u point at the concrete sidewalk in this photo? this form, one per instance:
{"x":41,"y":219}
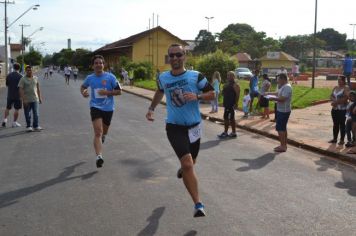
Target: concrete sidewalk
{"x":309,"y":128}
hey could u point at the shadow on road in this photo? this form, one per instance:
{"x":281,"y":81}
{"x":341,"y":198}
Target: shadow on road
{"x":8,"y":135}
{"x":347,"y":173}
{"x":213,"y":143}
{"x":153,"y":222}
{"x":258,"y":163}
{"x":191,"y":233}
{"x":12,"y":197}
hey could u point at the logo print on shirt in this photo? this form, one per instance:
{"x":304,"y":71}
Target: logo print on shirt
{"x":103,"y":82}
{"x":177,"y":97}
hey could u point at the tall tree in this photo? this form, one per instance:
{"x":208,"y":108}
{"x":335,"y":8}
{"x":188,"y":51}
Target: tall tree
{"x":205,"y":43}
{"x":334,"y":40}
{"x":299,"y":45}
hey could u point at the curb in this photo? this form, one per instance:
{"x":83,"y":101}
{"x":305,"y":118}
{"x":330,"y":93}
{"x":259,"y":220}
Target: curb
{"x":295,"y":143}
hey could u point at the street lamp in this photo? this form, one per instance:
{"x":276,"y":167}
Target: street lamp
{"x":7,"y":26}
{"x":314,"y":44}
{"x":209,"y":18}
{"x":39,"y":29}
{"x":353,"y":35}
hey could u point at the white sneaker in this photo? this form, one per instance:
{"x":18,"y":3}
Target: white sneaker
{"x":16,"y":124}
{"x":29,"y":129}
{"x":39,"y":128}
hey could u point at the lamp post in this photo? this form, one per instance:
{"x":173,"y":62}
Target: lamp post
{"x":23,"y":47}
{"x":209,"y":18}
{"x":314,"y":44}
{"x":7,"y":26}
{"x":353,"y":35}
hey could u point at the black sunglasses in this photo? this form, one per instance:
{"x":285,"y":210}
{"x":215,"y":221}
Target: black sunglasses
{"x":178,"y":55}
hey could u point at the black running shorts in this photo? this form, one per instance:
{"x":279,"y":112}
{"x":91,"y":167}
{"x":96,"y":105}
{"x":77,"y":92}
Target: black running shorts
{"x":16,"y":103}
{"x":229,"y":113}
{"x":96,"y":113}
{"x":179,"y":139}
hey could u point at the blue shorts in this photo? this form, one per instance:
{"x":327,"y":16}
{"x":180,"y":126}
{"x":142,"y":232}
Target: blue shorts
{"x":245,"y":109}
{"x":282,"y":120}
{"x":254,"y":94}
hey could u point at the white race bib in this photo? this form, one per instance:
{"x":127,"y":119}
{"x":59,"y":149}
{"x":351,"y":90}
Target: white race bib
{"x":97,"y":95}
{"x":195,"y":133}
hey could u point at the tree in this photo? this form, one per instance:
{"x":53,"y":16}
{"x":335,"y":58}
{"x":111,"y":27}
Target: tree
{"x":298,"y":46}
{"x":243,"y":38}
{"x":33,"y":58}
{"x":334,"y":40}
{"x":217,"y":61}
{"x":81,"y":58}
{"x":205,"y":43}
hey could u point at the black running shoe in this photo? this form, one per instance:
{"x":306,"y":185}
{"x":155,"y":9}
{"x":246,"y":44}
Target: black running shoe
{"x":199,"y":210}
{"x":3,"y":124}
{"x":99,"y":161}
{"x":180,"y":173}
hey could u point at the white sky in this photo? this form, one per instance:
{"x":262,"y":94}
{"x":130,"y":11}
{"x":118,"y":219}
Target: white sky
{"x":91,"y":23}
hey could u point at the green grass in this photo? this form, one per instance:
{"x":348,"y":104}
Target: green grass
{"x":302,"y":96}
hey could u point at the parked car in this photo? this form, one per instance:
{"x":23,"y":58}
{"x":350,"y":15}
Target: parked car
{"x":243,"y":73}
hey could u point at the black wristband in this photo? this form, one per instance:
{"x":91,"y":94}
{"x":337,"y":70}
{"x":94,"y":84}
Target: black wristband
{"x":151,"y":109}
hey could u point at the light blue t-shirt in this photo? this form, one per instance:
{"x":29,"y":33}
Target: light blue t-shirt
{"x":105,"y":81}
{"x":216,"y":85}
{"x":179,"y":111}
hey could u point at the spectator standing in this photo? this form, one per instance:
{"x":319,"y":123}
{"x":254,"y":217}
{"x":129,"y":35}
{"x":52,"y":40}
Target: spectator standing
{"x":30,"y":94}
{"x":13,"y":96}
{"x":284,"y":108}
{"x":350,"y":135}
{"x":246,"y":102}
{"x":339,"y":96}
{"x":254,"y":88}
{"x":348,"y":68}
{"x":216,"y":79}
{"x":264,"y":103}
{"x":231,"y":94}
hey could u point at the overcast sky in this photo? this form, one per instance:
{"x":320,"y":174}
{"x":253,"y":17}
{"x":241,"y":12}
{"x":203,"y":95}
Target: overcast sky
{"x":91,"y":24}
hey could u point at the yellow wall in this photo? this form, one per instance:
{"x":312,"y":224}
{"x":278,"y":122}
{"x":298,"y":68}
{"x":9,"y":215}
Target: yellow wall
{"x":277,"y":64}
{"x":143,"y":52}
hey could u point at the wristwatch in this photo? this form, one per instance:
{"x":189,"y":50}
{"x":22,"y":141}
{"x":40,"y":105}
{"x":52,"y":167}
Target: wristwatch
{"x":151,"y":109}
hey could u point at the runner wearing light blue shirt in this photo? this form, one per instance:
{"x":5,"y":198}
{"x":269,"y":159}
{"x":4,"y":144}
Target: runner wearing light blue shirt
{"x":180,"y":111}
{"x":103,"y":86}
{"x":105,"y":81}
{"x":183,"y":88}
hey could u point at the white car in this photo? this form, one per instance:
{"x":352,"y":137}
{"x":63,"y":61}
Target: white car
{"x":243,"y":73}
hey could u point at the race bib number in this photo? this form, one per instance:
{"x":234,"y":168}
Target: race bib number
{"x":195,"y":133}
{"x":97,"y":95}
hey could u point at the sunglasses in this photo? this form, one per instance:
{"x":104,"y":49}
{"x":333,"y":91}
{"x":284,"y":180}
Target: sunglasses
{"x":178,"y":55}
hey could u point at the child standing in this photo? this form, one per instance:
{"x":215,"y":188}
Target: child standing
{"x":246,"y":102}
{"x":350,"y":135}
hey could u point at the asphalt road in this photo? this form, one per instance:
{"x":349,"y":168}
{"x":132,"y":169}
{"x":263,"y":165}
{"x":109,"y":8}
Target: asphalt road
{"x":49,"y":184}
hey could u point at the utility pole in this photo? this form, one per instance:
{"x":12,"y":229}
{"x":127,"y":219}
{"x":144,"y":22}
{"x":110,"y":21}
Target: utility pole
{"x":23,"y":47}
{"x":353,"y":36}
{"x":5,"y":30}
{"x":209,"y":18}
{"x":314,"y":46}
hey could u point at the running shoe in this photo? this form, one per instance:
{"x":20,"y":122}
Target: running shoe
{"x":99,"y":161}
{"x":180,"y":173}
{"x":199,"y":210}
{"x":103,"y":138}
{"x":223,"y":135}
{"x":38,"y":129}
{"x":29,"y":129}
{"x":16,"y":124}
{"x":3,"y":124}
{"x":349,"y":144}
{"x":232,"y":135}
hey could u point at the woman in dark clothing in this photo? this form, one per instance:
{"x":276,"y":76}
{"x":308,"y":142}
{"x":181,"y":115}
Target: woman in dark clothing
{"x":339,"y":97}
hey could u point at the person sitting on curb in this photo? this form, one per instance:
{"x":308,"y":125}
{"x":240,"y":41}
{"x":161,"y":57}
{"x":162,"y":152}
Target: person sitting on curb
{"x":231,"y":94}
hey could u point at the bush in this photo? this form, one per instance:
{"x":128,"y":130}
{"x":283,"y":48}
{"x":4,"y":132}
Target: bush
{"x":142,"y":70}
{"x":217,"y":61}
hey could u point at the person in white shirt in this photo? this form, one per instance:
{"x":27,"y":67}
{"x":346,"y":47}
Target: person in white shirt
{"x":284,"y":107}
{"x":125,"y":76}
{"x":295,"y":73}
{"x":67,"y":72}
{"x":75,"y":73}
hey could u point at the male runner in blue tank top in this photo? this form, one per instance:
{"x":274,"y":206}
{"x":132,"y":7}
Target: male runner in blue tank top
{"x":103,"y":87}
{"x":183,"y":88}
